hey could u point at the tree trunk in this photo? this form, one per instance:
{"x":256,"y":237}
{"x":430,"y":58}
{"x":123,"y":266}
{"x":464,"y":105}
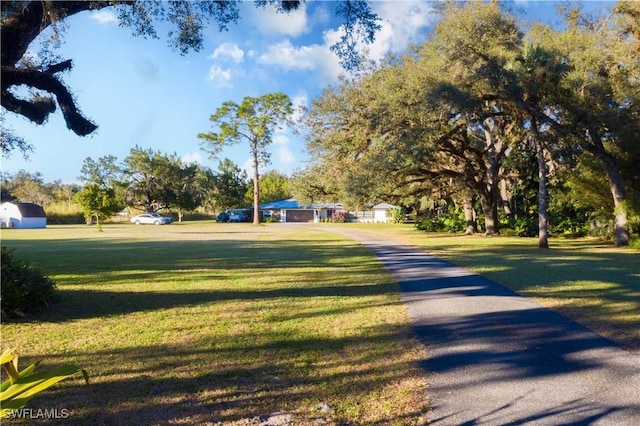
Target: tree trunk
{"x":543,"y":220}
{"x":617,"y":188}
{"x":490,"y":211}
{"x":493,"y":153}
{"x":469,"y":214}
{"x":256,"y":188}
{"x":505,"y":197}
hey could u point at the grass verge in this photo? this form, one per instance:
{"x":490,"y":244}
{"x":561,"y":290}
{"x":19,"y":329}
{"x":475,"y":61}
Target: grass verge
{"x":585,"y":279}
{"x":205,"y":323}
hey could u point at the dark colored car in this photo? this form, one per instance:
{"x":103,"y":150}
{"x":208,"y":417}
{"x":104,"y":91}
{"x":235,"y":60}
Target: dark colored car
{"x":223,"y":217}
{"x":238,"y":216}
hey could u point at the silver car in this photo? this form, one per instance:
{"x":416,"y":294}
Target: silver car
{"x":151,"y":219}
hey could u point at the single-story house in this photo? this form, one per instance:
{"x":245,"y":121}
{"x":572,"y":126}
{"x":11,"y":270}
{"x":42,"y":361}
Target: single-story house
{"x":22,"y":215}
{"x":290,"y":211}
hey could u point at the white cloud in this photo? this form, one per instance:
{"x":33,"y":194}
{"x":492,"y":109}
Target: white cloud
{"x":230,"y":50}
{"x":289,"y":57}
{"x":248,"y":167}
{"x":279,"y":138}
{"x":219,"y":76}
{"x":270,"y":21}
{"x":104,"y":17}
{"x":298,"y":102}
{"x":191,"y":158}
{"x":284,"y":156}
{"x":402,"y":23}
{"x":305,"y":58}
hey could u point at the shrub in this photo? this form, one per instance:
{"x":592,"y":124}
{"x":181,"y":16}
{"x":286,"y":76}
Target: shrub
{"x":339,"y":217}
{"x":524,"y":226}
{"x":430,"y":225}
{"x":571,"y":228}
{"x":451,"y":221}
{"x":396,"y":214}
{"x":64,"y":214}
{"x":65,"y":218}
{"x":601,"y":229}
{"x":24,"y":287}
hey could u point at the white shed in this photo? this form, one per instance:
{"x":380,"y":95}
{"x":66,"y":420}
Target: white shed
{"x":22,"y":215}
{"x":382,"y":212}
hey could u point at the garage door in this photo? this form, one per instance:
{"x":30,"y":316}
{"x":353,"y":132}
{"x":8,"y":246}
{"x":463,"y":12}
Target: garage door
{"x":299,"y":215}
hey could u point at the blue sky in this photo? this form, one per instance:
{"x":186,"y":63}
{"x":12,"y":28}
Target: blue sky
{"x":142,"y":93}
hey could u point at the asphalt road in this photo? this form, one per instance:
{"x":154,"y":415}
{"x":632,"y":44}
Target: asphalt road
{"x":497,"y":358}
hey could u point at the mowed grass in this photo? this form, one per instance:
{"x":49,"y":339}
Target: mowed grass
{"x":588,"y":280}
{"x":205,"y":323}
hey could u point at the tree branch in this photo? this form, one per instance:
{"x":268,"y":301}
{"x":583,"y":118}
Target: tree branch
{"x":38,"y":110}
{"x":62,"y":66}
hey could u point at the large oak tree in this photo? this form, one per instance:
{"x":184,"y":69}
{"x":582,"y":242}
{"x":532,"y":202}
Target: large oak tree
{"x":476,"y":92}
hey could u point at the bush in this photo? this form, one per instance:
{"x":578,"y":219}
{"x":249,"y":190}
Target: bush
{"x":451,"y":221}
{"x":430,"y":225}
{"x":525,"y":226}
{"x":571,"y":228}
{"x":65,"y":218}
{"x":24,"y":287}
{"x":397,"y":215}
{"x":339,"y":217}
{"x":64,"y":214}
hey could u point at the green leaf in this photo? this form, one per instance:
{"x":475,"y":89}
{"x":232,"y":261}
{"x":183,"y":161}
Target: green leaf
{"x":17,"y":395}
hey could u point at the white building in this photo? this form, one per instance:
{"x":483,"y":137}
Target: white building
{"x":22,"y":215}
{"x":290,"y":211}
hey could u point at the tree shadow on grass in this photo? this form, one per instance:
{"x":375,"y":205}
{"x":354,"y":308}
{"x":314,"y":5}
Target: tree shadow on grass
{"x":182,"y":267}
{"x":598,"y":288}
{"x":79,"y":304}
{"x":486,"y":343}
{"x":210,"y":376}
{"x":227,"y":383}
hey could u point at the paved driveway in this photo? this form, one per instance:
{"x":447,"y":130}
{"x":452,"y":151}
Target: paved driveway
{"x":496,"y":358}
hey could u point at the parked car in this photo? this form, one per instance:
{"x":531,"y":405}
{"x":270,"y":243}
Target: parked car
{"x":238,"y":216}
{"x":151,"y":219}
{"x":223,"y":217}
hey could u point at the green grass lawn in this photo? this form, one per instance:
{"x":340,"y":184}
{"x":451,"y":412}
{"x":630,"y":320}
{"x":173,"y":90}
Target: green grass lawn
{"x":205,"y":323}
{"x":586,"y":279}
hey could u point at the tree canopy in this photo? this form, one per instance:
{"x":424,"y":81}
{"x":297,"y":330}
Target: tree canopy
{"x":22,"y":22}
{"x":457,"y":116}
{"x":252,"y":121}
